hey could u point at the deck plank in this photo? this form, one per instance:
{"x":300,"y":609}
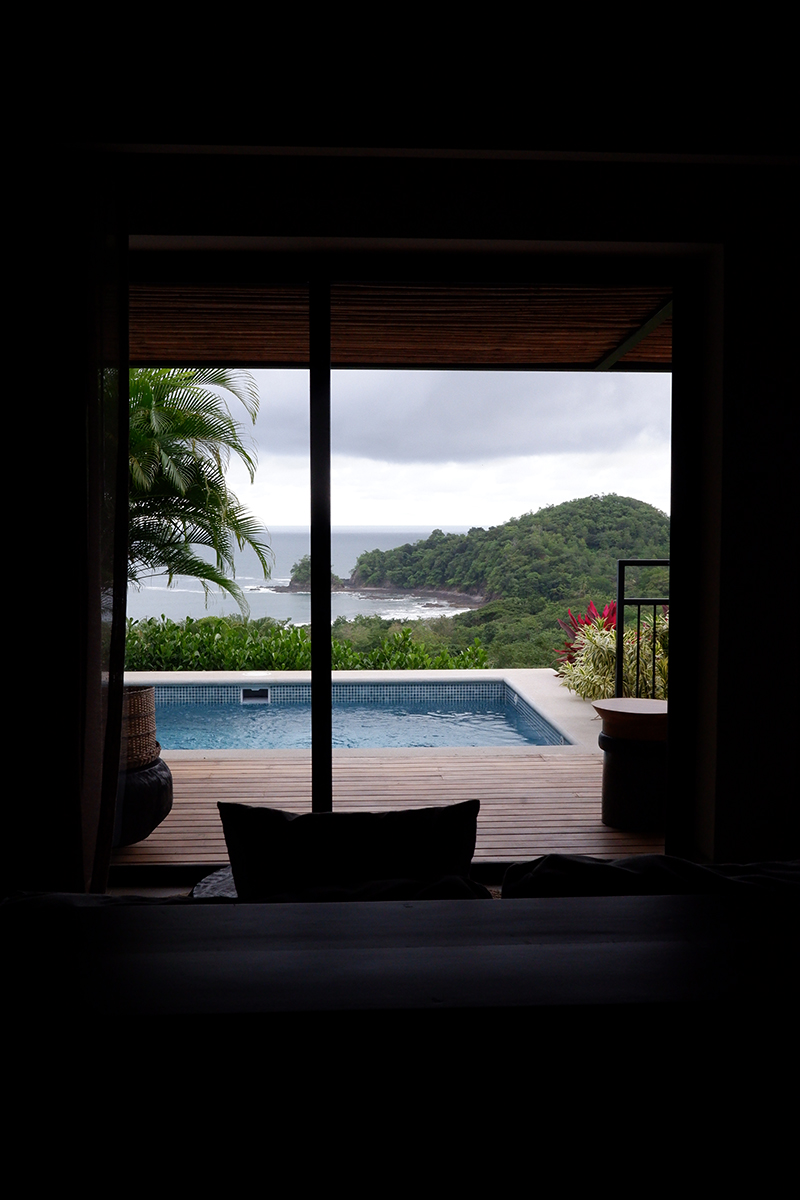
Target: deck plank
{"x":530,"y":804}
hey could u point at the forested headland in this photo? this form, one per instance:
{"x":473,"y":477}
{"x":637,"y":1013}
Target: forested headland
{"x":528,"y":572}
{"x":523,"y":576}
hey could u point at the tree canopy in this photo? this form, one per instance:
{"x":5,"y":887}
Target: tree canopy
{"x":301,"y":575}
{"x":528,"y":572}
{"x":182,"y":434}
{"x":562,"y":553}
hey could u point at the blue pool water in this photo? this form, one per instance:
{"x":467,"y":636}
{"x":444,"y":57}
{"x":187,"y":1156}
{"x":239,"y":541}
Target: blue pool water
{"x":364,"y":716}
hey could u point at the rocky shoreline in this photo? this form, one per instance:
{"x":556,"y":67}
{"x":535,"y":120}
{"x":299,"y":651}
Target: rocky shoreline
{"x":454,"y":599}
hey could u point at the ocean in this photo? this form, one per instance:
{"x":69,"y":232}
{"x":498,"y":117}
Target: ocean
{"x":289,"y":543}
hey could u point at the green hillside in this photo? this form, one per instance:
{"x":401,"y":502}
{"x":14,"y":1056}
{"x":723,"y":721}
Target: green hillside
{"x":562,"y":552}
{"x":528,"y":571}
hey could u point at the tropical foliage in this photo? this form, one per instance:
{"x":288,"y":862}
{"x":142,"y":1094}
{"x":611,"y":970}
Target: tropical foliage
{"x":301,"y":575}
{"x":234,"y":644}
{"x":586,"y":538}
{"x":182,"y":434}
{"x":563,"y":553}
{"x":527,"y":572}
{"x":591,"y":670}
{"x":216,"y":644}
{"x":507,"y":635}
{"x":573,"y":625}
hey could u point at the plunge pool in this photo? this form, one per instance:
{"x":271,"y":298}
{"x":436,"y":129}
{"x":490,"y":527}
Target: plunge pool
{"x":365,"y":716}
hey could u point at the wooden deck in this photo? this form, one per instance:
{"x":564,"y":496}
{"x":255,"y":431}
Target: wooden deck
{"x":531,"y":803}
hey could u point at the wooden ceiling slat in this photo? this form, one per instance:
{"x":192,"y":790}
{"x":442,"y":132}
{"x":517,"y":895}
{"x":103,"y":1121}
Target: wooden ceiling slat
{"x":194,"y":325}
{"x":399,"y":325}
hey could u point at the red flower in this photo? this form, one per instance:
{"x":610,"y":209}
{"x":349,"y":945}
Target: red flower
{"x":608,"y":620}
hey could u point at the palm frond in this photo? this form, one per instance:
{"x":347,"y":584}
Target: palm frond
{"x":182,"y":434}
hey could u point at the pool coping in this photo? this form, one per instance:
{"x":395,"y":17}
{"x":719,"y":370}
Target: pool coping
{"x":576,"y":719}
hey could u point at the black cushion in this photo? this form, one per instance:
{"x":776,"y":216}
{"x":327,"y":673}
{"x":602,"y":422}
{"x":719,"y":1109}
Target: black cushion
{"x":273,"y":851}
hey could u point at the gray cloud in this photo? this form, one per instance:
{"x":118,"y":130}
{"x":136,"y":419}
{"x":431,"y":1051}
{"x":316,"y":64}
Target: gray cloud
{"x":467,"y":416}
{"x":282,"y":425}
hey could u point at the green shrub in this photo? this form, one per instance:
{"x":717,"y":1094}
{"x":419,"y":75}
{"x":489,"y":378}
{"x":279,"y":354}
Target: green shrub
{"x":232,"y":644}
{"x":592,"y":672}
{"x":216,"y":644}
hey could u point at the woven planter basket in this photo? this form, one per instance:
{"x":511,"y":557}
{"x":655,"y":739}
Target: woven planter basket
{"x":139,"y":745}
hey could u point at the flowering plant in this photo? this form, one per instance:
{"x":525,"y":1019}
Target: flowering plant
{"x":605,"y":620}
{"x":588,"y":664}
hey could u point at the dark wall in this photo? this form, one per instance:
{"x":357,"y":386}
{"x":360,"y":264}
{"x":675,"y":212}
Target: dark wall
{"x":725,"y":233}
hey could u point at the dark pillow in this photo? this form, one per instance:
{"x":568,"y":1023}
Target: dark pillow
{"x":273,"y":851}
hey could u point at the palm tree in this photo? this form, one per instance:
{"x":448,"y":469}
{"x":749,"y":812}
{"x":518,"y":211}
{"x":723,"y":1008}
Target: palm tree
{"x":182,"y":434}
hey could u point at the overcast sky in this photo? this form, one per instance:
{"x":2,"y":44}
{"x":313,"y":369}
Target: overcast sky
{"x":460,"y":447}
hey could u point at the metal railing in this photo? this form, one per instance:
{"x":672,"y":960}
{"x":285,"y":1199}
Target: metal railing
{"x":639,"y":602}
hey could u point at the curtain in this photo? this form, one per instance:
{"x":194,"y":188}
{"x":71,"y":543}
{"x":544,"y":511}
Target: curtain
{"x":107,"y":521}
{"x":73,"y":404}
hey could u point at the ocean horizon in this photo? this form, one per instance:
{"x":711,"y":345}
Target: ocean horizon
{"x":185,"y":598}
